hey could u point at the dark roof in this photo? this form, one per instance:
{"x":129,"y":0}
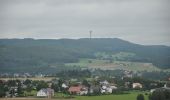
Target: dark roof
{"x":47,"y":90}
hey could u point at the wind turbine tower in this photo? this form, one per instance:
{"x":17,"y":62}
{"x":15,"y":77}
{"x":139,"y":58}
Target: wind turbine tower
{"x":90,"y":33}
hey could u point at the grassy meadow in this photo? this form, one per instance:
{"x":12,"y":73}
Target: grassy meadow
{"x":128,"y":96}
{"x":105,"y":64}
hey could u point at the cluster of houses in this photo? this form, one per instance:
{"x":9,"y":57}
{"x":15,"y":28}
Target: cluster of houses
{"x":104,"y":87}
{"x":101,"y":87}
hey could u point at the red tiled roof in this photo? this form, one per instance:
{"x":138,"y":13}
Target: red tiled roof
{"x":75,"y":89}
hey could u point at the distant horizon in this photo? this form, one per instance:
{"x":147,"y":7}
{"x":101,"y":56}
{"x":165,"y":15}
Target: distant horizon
{"x":87,"y":38}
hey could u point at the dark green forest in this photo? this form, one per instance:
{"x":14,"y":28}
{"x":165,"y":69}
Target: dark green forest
{"x":46,"y":54}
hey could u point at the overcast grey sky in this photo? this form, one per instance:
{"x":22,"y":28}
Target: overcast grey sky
{"x":139,"y":21}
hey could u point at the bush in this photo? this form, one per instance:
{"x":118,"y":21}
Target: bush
{"x":140,"y":97}
{"x":146,"y":93}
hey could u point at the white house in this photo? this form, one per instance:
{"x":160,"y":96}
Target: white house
{"x":84,"y":91}
{"x":42,"y":93}
{"x":45,"y":92}
{"x":106,"y":89}
{"x":103,"y":91}
{"x":137,"y":85}
{"x":64,"y":85}
{"x":109,"y":90}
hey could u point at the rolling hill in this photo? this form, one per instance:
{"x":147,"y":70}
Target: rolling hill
{"x":46,"y":54}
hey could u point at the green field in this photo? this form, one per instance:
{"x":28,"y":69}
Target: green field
{"x":105,"y":64}
{"x":129,"y":96}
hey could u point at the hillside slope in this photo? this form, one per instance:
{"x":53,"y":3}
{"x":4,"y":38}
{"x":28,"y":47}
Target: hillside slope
{"x":29,"y":53}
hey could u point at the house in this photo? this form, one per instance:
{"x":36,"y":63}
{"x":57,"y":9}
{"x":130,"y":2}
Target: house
{"x":106,"y":89}
{"x":113,"y":87}
{"x":94,"y":89}
{"x":13,"y":91}
{"x":167,"y":85}
{"x":64,"y":86}
{"x":162,"y":88}
{"x":84,"y":91}
{"x":128,"y":73}
{"x":127,"y":84}
{"x":79,"y":90}
{"x":105,"y":82}
{"x":169,"y":78}
{"x":136,"y":85}
{"x":45,"y":92}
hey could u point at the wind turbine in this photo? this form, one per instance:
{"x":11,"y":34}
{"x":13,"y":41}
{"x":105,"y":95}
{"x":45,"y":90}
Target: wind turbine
{"x":90,"y":33}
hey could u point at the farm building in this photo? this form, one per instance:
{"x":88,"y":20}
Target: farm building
{"x":47,"y":92}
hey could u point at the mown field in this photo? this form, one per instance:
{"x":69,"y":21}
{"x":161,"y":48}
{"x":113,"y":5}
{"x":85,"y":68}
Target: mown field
{"x":34,"y":78}
{"x":106,"y":64}
{"x":129,"y":96}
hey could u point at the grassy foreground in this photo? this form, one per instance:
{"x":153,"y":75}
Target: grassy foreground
{"x":129,"y":96}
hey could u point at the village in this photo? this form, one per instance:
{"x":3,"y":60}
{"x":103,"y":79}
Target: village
{"x":68,"y":88}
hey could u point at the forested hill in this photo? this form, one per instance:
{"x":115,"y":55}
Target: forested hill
{"x":30,"y":53}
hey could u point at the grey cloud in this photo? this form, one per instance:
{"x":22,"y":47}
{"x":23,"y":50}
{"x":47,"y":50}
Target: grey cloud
{"x":127,"y":19}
